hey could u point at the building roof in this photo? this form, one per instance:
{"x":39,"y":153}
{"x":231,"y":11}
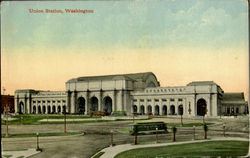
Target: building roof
{"x":132,"y":76}
{"x":200,"y":83}
{"x":233,"y":98}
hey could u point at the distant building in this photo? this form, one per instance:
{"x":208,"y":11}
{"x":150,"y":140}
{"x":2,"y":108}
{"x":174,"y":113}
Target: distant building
{"x":7,"y":100}
{"x":134,"y":93}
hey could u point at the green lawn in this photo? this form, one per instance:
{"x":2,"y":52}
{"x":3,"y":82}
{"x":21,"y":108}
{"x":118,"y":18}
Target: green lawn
{"x":40,"y":134}
{"x":214,"y":149}
{"x":30,"y":119}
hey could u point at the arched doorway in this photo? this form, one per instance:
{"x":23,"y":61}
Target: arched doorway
{"x":34,"y":109}
{"x":157,"y":110}
{"x":149,"y":109}
{"x":94,"y":104}
{"x":164,"y":110}
{"x":44,"y":109}
{"x":134,"y":109}
{"x":39,"y":109}
{"x":142,"y":110}
{"x":107,"y":105}
{"x":172,"y":110}
{"x":81,"y":105}
{"x":201,"y":107}
{"x":58,"y":109}
{"x":21,"y":108}
{"x":180,"y":110}
{"x":54,"y":109}
{"x":49,"y":110}
{"x":64,"y":108}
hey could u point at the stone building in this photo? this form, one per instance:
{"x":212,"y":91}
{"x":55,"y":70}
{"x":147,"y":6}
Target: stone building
{"x":134,"y":93}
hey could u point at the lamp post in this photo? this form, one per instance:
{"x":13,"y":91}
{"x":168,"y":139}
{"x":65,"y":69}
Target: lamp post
{"x":7,"y":110}
{"x":224,"y":129}
{"x":111,"y":138}
{"x":194,"y":132}
{"x":37,"y":142}
{"x":156,"y":135}
{"x":64,"y":110}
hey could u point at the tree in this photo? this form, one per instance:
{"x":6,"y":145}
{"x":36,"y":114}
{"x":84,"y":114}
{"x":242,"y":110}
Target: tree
{"x":205,"y":127}
{"x":174,"y":130}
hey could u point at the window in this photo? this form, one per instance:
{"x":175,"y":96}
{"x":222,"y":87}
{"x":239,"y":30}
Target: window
{"x":149,"y":100}
{"x":180,"y":99}
{"x":39,"y":101}
{"x":59,"y":101}
{"x":64,"y":101}
{"x":172,"y":99}
{"x":48,"y":101}
{"x":43,"y":101}
{"x":53,"y":101}
{"x":135,"y":100}
{"x":141,"y":100}
{"x":163,"y":99}
{"x":156,"y":100}
{"x":34,"y":101}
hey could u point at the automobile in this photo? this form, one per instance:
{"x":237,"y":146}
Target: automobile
{"x":99,"y":113}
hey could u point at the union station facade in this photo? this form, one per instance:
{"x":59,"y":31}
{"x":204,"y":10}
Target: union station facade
{"x":134,"y":93}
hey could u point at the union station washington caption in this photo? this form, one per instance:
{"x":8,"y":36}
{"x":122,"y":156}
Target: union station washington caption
{"x":139,"y":93}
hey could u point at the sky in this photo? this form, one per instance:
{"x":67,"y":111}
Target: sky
{"x":179,"y":41}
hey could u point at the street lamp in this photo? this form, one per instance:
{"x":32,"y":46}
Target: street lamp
{"x":64,"y":110}
{"x":37,"y":142}
{"x":111,"y":138}
{"x":194,"y":132}
{"x":224,"y":129}
{"x":156,"y":135}
{"x":6,"y":111}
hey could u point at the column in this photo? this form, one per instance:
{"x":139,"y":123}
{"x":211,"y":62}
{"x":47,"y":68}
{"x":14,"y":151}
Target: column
{"x":100,"y":106}
{"x":16,"y":104}
{"x":87,"y":102}
{"x":68,"y":102}
{"x":114,"y":101}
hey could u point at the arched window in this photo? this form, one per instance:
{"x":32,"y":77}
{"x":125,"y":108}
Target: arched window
{"x":157,"y":110}
{"x":172,"y":110}
{"x":164,"y":110}
{"x":149,"y":109}
{"x":142,"y":110}
{"x":134,"y":109}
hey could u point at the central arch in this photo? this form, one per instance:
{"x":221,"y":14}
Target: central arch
{"x":81,"y":105}
{"x":142,"y":110}
{"x":157,"y":110}
{"x":164,"y":110}
{"x":149,"y":109}
{"x":21,"y":108}
{"x":201,"y":107}
{"x":34,"y":109}
{"x":172,"y":110}
{"x":107,"y":105}
{"x":180,"y":110}
{"x":93,"y":104}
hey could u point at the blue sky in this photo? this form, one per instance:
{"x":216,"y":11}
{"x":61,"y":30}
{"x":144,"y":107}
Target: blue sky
{"x":179,"y":40}
{"x":133,"y":24}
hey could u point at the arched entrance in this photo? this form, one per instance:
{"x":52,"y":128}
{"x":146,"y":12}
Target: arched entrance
{"x":149,"y":109}
{"x":107,"y":105}
{"x":39,"y":109}
{"x":44,"y":109}
{"x":21,"y":108}
{"x":180,"y":110}
{"x":134,"y":109}
{"x":157,"y":110}
{"x":93,"y":104}
{"x":54,"y":109}
{"x":58,"y":109}
{"x":172,"y":110}
{"x":64,"y":108}
{"x":142,"y":110}
{"x":34,"y":109}
{"x":49,"y":110}
{"x":164,"y":110}
{"x":201,"y":107}
{"x":81,"y":105}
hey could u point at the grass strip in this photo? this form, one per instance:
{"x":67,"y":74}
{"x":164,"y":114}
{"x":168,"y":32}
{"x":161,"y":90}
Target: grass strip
{"x":40,"y":134}
{"x":99,"y":155}
{"x":212,"y":148}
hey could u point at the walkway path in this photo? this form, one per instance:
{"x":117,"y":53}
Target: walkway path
{"x":15,"y":154}
{"x":110,"y":152}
